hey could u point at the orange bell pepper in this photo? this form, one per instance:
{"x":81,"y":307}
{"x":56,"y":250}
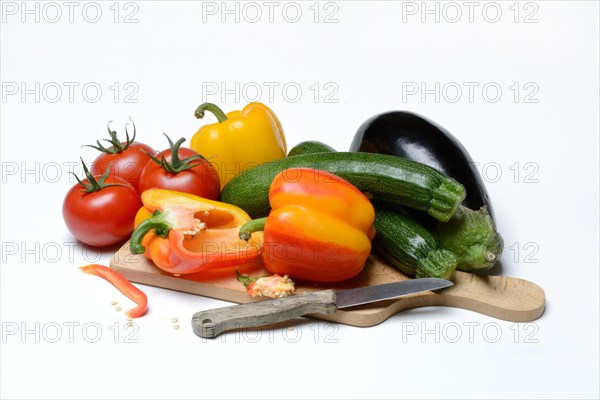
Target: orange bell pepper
{"x":319,"y":229}
{"x":188,"y":234}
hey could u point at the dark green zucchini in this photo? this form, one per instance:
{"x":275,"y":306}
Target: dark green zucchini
{"x":310,"y":147}
{"x":409,"y":246}
{"x":470,"y":234}
{"x":381,"y":177}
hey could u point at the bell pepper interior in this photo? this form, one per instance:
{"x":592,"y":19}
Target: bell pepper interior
{"x":214,"y":241}
{"x":217,"y":219}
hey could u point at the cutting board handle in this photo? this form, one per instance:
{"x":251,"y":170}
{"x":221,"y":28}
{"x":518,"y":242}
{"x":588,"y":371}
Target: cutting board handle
{"x":503,"y":297}
{"x":209,"y":324}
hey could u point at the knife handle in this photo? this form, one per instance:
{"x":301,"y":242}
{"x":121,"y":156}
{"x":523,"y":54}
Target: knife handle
{"x":209,"y":324}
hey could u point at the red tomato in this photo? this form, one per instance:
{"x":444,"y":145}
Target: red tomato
{"x":126,"y":159}
{"x":103,"y":217}
{"x":202,"y":179}
{"x":128,"y":164}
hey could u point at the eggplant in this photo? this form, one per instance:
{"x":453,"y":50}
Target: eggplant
{"x":416,"y":138}
{"x":471,"y":233}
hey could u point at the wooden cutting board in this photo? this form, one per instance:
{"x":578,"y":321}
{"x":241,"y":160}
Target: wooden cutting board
{"x":506,"y":298}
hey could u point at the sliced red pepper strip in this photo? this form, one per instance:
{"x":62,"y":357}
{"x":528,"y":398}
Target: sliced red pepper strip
{"x":124,"y":286}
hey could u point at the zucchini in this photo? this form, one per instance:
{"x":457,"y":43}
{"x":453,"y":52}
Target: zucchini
{"x":470,"y":235}
{"x":410,"y":247}
{"x":310,"y":147}
{"x":381,"y":177}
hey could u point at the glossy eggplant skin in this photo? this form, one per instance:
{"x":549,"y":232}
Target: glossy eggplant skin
{"x":411,"y":136}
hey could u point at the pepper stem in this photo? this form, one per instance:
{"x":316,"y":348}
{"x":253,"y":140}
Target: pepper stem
{"x":245,"y":279}
{"x":156,"y":222}
{"x":213,"y":108}
{"x":252,"y":226}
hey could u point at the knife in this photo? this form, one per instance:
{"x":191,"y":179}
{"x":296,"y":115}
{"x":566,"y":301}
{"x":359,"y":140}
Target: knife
{"x":211,"y":323}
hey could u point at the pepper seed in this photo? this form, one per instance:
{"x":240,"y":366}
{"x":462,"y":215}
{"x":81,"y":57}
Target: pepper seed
{"x":118,"y":309}
{"x":174,"y":320}
{"x":175,"y":327}
{"x":113,"y":303}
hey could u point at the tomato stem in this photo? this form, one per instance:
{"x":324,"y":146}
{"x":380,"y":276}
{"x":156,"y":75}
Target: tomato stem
{"x":116,"y":145}
{"x":249,"y":227}
{"x":213,"y":108}
{"x":175,"y":161}
{"x":176,"y":165}
{"x":94,"y":185}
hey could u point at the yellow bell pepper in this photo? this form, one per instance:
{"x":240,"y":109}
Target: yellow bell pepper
{"x":240,"y":140}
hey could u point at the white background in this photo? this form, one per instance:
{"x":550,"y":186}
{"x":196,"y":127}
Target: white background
{"x":370,"y":55}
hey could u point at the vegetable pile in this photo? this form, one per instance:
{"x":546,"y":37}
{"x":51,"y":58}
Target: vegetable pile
{"x":406,"y":190}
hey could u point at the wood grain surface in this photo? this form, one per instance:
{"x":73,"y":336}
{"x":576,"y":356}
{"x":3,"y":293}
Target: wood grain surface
{"x":506,"y":298}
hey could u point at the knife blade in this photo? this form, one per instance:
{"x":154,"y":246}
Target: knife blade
{"x":211,"y":323}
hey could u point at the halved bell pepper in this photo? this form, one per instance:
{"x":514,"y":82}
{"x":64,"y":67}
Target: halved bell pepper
{"x":319,"y":229}
{"x":188,"y":234}
{"x":239,"y":140}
